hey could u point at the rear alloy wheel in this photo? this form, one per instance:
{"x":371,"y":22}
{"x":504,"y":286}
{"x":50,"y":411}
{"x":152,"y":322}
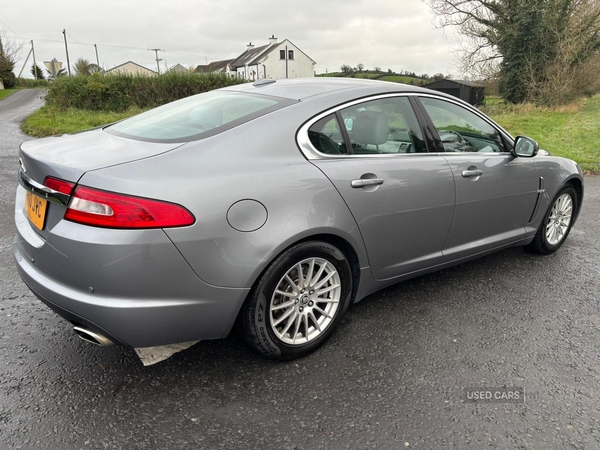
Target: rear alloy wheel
{"x":298,"y":301}
{"x":557,"y":222}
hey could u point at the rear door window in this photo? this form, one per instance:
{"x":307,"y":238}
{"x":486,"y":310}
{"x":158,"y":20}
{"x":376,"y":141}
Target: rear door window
{"x":383,"y":126}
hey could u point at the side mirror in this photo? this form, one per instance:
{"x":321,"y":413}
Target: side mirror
{"x":525,"y":147}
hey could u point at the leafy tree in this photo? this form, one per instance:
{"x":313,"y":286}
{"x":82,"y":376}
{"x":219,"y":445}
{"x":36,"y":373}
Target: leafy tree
{"x":83,"y":67}
{"x":346,"y":69}
{"x":377,"y":69}
{"x":37,"y":72}
{"x":540,"y":49}
{"x":360,"y":66}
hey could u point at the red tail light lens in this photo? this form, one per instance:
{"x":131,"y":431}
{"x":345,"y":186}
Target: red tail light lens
{"x":59,"y":185}
{"x":110,"y":210}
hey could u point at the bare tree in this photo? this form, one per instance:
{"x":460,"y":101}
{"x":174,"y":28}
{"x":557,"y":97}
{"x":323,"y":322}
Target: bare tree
{"x":524,"y":41}
{"x":10,"y":51}
{"x":10,"y":48}
{"x":360,"y":67}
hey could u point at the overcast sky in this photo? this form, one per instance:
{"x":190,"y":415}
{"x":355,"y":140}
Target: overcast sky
{"x":391,"y":34}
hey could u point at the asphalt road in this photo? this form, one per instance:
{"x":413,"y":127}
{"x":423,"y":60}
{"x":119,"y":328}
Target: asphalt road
{"x":391,"y":377}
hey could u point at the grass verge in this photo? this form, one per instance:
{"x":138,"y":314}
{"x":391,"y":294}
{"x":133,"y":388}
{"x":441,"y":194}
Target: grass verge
{"x":6,"y":92}
{"x":48,"y":121}
{"x":570,"y":131}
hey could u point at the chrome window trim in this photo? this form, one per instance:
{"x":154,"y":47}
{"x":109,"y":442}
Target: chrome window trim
{"x":311,"y":153}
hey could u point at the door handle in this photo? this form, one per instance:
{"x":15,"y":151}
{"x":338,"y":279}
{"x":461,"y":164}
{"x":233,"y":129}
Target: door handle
{"x":472,"y":173}
{"x":366,"y":182}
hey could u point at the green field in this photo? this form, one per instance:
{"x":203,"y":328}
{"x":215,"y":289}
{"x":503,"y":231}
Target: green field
{"x":376,"y":75}
{"x":6,"y":92}
{"x":47,"y":121}
{"x":571,"y":131}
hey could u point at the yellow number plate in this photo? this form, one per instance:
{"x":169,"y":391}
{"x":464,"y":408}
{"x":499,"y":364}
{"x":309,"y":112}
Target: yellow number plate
{"x":36,"y":209}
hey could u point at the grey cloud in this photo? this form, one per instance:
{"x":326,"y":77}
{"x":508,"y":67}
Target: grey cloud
{"x":391,"y":34}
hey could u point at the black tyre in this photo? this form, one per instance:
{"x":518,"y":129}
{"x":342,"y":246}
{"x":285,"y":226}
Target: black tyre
{"x":298,"y":301}
{"x":557,"y":222}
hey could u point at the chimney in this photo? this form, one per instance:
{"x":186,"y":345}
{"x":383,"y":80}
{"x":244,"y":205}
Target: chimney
{"x":272,"y":40}
{"x":250,"y":46}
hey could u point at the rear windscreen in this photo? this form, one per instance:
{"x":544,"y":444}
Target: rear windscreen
{"x":196,"y":117}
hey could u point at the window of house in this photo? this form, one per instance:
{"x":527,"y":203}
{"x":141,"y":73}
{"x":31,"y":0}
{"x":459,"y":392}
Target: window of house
{"x":326,"y":136}
{"x":281,"y":54}
{"x":290,"y":54}
{"x":384,"y":126}
{"x":461,"y":130}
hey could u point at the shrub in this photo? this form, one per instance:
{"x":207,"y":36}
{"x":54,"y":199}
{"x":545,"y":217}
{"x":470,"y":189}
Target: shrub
{"x":119,"y":92}
{"x":29,"y":83}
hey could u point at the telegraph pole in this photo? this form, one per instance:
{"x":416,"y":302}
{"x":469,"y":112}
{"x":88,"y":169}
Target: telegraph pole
{"x":67,"y":50}
{"x":34,"y":62}
{"x":1,"y":49}
{"x":97,"y":60}
{"x":158,"y":60}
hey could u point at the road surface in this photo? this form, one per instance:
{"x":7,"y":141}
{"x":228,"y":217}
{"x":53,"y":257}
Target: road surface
{"x":391,"y":377}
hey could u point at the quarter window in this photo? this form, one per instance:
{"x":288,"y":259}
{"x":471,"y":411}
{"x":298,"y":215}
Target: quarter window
{"x":384,"y":126}
{"x":326,"y":136}
{"x":281,"y":54}
{"x":461,"y":130}
{"x":290,"y":54}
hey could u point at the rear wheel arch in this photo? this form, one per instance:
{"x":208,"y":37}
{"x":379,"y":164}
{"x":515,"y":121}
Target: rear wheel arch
{"x":255,"y":317}
{"x":345,"y":247}
{"x":343,"y":244}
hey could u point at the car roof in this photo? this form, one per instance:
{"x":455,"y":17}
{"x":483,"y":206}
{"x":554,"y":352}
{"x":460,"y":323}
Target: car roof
{"x":303,"y":88}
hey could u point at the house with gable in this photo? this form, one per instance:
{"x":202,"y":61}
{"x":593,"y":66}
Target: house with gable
{"x":276,"y":60}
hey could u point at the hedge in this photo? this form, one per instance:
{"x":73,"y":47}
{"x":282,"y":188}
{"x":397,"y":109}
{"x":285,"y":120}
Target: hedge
{"x":29,"y":83}
{"x":119,"y":92}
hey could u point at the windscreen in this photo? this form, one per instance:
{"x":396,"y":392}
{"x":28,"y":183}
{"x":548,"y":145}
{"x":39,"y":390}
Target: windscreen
{"x":196,"y":117}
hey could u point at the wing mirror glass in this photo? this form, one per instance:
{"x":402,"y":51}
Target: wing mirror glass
{"x":525,"y":147}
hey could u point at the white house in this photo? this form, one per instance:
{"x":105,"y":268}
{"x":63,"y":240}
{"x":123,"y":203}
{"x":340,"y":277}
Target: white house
{"x":274,"y":60}
{"x":215,"y":67}
{"x":131,"y":68}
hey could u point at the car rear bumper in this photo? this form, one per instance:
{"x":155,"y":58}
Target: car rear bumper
{"x":134,"y":286}
{"x":138,"y":323}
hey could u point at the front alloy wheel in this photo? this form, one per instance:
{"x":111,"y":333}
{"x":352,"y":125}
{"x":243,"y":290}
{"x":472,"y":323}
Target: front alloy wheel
{"x":298,"y":301}
{"x":557,"y":222}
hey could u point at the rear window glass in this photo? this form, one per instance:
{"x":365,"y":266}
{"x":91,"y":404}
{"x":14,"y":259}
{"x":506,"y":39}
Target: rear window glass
{"x":196,"y":117}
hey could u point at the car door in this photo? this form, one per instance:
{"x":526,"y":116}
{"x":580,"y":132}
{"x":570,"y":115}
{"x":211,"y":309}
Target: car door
{"x":496,"y":192}
{"x":401,"y":196}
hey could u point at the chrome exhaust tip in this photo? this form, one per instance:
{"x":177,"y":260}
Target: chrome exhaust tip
{"x":92,"y":337}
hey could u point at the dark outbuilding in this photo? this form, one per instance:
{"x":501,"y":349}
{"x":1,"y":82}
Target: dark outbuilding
{"x":472,"y":93}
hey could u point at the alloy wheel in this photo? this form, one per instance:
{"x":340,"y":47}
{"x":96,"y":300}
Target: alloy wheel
{"x":305,"y":301}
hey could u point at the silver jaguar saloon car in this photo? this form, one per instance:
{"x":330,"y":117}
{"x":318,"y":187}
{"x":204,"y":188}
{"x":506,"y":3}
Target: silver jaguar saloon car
{"x":273,"y":206}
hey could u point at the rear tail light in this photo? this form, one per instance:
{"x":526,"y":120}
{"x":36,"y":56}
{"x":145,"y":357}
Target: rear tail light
{"x":111,"y":210}
{"x":59,"y":185}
